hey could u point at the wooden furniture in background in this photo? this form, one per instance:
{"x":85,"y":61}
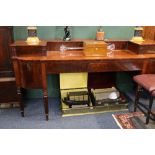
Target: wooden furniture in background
{"x":149,"y":32}
{"x":5,"y":58}
{"x":8,"y":91}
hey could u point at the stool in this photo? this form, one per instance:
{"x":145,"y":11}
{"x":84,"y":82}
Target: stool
{"x":146,"y":82}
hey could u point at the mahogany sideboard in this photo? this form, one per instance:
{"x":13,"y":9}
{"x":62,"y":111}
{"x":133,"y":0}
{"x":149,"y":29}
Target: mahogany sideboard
{"x":33,"y":63}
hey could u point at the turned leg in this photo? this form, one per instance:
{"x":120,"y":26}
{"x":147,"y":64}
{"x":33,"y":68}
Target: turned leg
{"x":137,"y":97}
{"x":20,"y":101}
{"x":44,"y":87}
{"x":18,"y":70}
{"x":149,"y":110}
{"x":45,"y":103}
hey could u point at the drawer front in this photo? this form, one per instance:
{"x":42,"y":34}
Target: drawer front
{"x":85,"y":66}
{"x":104,"y":66}
{"x":115,"y":66}
{"x":66,"y":67}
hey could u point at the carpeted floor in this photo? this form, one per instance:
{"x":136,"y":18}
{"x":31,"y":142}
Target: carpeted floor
{"x":35,"y":119}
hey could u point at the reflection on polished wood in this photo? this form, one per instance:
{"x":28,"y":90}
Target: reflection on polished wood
{"x":31,"y":68}
{"x":79,"y":55}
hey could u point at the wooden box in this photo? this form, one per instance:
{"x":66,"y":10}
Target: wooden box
{"x":147,"y":46}
{"x":95,"y":48}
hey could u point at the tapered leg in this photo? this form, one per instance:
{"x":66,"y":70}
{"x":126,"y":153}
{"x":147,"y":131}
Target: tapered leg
{"x":20,"y":100}
{"x":45,"y":103}
{"x":149,"y":110}
{"x":137,"y":97}
{"x":44,"y":87}
{"x":17,"y":70}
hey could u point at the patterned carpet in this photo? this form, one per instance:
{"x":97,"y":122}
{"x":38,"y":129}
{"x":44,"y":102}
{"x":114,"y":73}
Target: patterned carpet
{"x":134,"y":120}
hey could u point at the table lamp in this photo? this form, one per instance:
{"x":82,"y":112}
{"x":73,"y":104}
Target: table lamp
{"x":138,"y":33}
{"x":32,"y":38}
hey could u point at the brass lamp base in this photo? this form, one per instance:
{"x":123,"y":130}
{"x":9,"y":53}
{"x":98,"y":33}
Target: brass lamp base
{"x":137,"y":39}
{"x":32,"y":40}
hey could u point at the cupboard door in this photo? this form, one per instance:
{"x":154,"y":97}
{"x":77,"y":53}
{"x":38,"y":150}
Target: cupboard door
{"x":30,"y":75}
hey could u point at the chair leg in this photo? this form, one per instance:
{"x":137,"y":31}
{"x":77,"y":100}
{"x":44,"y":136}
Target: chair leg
{"x":149,"y":110}
{"x":137,"y":97}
